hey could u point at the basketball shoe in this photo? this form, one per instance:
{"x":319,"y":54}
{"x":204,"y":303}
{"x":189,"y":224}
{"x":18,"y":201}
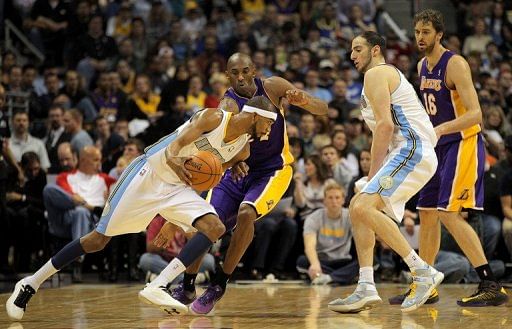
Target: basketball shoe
{"x":489,"y":293}
{"x":425,"y":280}
{"x":399,"y":299}
{"x":161,"y":297}
{"x":180,"y":294}
{"x":17,"y":303}
{"x":205,"y":303}
{"x":363,"y":298}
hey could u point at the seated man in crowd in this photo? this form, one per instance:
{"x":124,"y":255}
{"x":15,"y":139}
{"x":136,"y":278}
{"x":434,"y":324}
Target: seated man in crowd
{"x":78,"y":198}
{"x":328,"y":240}
{"x":157,"y":258}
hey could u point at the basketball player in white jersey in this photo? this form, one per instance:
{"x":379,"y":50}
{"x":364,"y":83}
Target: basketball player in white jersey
{"x":402,"y":161}
{"x":157,"y":182}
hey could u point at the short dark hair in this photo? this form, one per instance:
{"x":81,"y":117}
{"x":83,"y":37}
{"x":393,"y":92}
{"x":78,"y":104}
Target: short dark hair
{"x":27,"y":158}
{"x":430,"y":15}
{"x":375,"y":39}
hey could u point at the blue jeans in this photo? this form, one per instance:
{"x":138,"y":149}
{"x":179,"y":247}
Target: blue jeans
{"x":65,"y":220}
{"x":453,"y":265}
{"x":154,"y":263}
{"x":342,"y":271}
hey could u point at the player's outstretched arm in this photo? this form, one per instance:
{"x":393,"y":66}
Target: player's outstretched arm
{"x":203,"y":122}
{"x":378,"y":91}
{"x":459,"y":74}
{"x":280,"y":87}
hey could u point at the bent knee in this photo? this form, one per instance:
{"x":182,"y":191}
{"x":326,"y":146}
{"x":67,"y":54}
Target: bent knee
{"x":210,"y":225}
{"x":94,"y":242}
{"x":246,"y":215}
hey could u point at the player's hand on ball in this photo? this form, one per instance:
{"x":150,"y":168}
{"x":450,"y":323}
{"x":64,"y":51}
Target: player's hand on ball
{"x":239,"y":171}
{"x":166,"y":235}
{"x":177,"y":164}
{"x":297,"y":97}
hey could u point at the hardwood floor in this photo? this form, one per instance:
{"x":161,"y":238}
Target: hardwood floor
{"x":258,"y":306}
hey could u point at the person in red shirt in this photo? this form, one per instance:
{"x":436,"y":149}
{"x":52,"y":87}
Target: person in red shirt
{"x":157,"y":258}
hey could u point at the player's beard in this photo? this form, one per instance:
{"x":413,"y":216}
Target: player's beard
{"x":366,"y":66}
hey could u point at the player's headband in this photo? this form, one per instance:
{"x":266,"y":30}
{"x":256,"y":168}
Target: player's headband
{"x":258,"y":111}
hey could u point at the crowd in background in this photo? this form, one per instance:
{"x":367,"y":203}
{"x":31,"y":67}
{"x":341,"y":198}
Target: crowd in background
{"x":119,"y":75}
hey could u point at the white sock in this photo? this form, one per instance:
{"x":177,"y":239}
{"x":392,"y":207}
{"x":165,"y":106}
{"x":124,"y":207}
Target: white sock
{"x":37,"y":279}
{"x":414,"y":261}
{"x":169,"y":273}
{"x":366,"y":274}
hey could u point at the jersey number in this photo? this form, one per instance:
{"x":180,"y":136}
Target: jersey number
{"x":430,"y":103}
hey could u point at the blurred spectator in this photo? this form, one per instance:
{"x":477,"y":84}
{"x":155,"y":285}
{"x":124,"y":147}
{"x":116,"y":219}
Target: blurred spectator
{"x":120,"y":26}
{"x":26,"y":212}
{"x":364,"y":169}
{"x":506,"y":196}
{"x":327,"y":73}
{"x":339,"y":106}
{"x":127,"y":76}
{"x":309,"y":189}
{"x":219,"y":84}
{"x":194,"y":20}
{"x":73,"y":88}
{"x":328,"y":26}
{"x":366,"y":6}
{"x":327,"y":242}
{"x":106,"y":102}
{"x":331,"y":158}
{"x":56,"y":136}
{"x":143,"y":104}
{"x":278,"y":226}
{"x":196,"y":96}
{"x":68,"y":160}
{"x":453,"y":43}
{"x":139,"y":42}
{"x":348,"y":158}
{"x":156,"y":259}
{"x":477,"y":41}
{"x":21,"y":141}
{"x":354,"y":87}
{"x":307,"y":132}
{"x":158,"y":22}
{"x":109,"y":143}
{"x":73,"y":125}
{"x":93,"y":50}
{"x":356,"y":23}
{"x":47,"y":25}
{"x":495,"y":21}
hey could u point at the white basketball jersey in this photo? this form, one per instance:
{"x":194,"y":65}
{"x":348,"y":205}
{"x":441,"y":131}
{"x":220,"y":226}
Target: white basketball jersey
{"x":408,"y":114}
{"x":212,"y":142}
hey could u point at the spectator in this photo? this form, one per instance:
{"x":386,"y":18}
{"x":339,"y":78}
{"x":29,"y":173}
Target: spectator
{"x":219,"y":84}
{"x":506,"y":196}
{"x":139,"y":41}
{"x":364,"y":169}
{"x":22,"y":141}
{"x":477,"y":42}
{"x":120,"y":26}
{"x":106,"y":103}
{"x":143,"y":104}
{"x":132,"y":149}
{"x":75,"y":203}
{"x":56,"y":136}
{"x":327,"y":242}
{"x":73,"y":88}
{"x":68,"y":159}
{"x":331,"y":158}
{"x":196,"y":96}
{"x":109,"y":143}
{"x":156,"y":259}
{"x":308,"y":194}
{"x":339,"y":106}
{"x":26,"y":212}
{"x":348,"y":158}
{"x":73,"y":124}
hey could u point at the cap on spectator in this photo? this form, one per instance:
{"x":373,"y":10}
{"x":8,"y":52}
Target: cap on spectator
{"x":508,"y":142}
{"x":326,"y":64}
{"x":165,"y":51}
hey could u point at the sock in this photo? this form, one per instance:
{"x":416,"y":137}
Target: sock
{"x":189,"y":281}
{"x":221,"y":279}
{"x":366,"y":274}
{"x":69,"y":253}
{"x":485,"y":273}
{"x":169,"y":273}
{"x":194,"y":248}
{"x":46,"y":271}
{"x":414,"y":261}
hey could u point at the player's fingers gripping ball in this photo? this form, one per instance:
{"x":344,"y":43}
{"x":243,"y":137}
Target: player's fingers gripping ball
{"x":206,"y":170}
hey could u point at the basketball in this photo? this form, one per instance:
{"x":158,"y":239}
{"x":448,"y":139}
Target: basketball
{"x":206,"y":170}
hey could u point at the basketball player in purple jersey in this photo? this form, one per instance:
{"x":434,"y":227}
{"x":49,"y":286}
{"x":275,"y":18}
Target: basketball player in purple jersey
{"x":451,"y":101}
{"x":252,"y":188}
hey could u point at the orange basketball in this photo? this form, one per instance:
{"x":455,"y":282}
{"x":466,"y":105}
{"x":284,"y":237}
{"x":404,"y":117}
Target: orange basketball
{"x":206,"y":170}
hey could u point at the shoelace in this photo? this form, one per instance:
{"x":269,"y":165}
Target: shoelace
{"x":24,"y":296}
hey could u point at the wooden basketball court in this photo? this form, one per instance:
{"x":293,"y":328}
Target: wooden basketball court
{"x":248,"y":306}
